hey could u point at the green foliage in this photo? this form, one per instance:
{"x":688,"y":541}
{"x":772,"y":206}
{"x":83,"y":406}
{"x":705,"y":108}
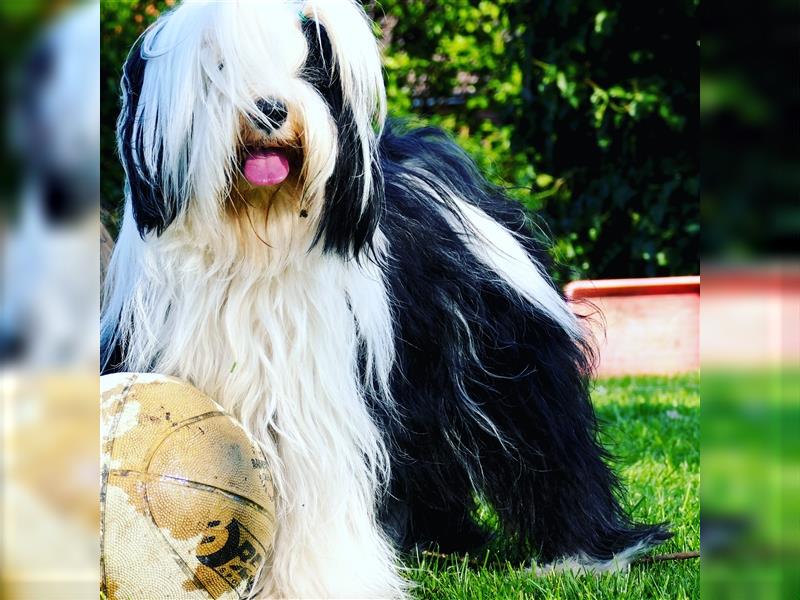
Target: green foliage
{"x":585,"y":112}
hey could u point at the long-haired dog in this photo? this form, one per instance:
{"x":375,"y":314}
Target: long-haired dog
{"x":358,"y":295}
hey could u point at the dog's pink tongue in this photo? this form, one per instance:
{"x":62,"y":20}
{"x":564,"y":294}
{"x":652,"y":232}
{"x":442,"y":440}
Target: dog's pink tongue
{"x":269,"y":167}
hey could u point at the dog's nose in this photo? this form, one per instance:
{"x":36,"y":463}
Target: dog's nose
{"x":274,"y":112}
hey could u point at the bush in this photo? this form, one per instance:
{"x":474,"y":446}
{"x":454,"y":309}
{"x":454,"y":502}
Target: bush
{"x":586,"y":112}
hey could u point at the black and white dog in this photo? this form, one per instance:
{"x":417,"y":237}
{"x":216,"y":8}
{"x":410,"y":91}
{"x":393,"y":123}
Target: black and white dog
{"x":357,"y":295}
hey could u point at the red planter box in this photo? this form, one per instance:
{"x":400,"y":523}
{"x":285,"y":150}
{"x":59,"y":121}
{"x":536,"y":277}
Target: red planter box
{"x":641,"y":326}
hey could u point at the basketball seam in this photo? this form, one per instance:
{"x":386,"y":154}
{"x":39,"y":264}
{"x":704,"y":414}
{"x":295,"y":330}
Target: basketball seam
{"x":187,"y":570}
{"x":206,"y":487}
{"x":149,"y":477}
{"x":175,"y":427}
{"x":209,"y":487}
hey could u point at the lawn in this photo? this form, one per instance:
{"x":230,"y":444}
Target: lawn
{"x":652,"y":426}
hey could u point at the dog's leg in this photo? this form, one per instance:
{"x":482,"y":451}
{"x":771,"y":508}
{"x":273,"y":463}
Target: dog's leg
{"x":328,"y":544}
{"x":555,"y":489}
{"x":329,"y":450}
{"x":430,"y":518}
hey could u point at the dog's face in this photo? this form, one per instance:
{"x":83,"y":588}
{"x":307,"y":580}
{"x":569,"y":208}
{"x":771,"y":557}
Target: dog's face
{"x":256,"y":104}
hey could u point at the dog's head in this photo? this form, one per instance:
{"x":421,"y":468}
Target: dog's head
{"x":274,"y":104}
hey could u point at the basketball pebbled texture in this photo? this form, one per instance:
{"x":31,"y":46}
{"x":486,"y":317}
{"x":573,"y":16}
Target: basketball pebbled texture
{"x":187,"y":503}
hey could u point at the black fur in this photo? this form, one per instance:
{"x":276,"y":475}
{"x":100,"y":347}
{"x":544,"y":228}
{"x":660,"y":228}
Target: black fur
{"x":346,"y":227}
{"x":154,"y":208}
{"x":548,"y":481}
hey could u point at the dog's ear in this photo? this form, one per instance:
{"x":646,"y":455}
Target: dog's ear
{"x":354,"y":194}
{"x":155,"y":205}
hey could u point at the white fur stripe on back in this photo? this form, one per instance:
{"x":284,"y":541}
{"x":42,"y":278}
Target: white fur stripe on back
{"x":496,"y":247}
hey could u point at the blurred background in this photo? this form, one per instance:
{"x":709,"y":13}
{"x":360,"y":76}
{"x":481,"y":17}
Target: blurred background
{"x":49,"y":288}
{"x":750,"y":309}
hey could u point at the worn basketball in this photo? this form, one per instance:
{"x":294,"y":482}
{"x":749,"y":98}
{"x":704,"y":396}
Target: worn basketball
{"x":187,"y":501}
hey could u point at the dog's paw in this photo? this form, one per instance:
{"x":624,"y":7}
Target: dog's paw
{"x":581,"y":564}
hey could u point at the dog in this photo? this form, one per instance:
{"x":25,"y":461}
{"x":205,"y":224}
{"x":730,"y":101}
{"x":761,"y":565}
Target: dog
{"x":356,"y":293}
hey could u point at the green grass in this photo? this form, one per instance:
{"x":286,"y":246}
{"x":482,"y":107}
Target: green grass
{"x":651,"y":424}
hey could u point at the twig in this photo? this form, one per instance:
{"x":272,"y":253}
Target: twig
{"x":663,"y":557}
{"x":645,"y":560}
